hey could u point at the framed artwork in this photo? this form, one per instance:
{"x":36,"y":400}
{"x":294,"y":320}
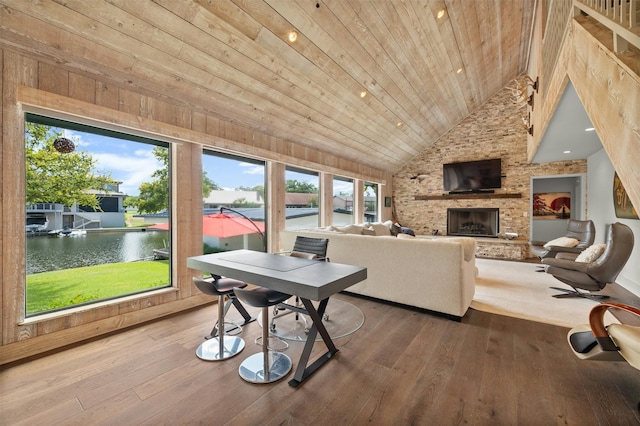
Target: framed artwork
{"x":387,"y":201}
{"x":551,"y":205}
{"x":621,"y":203}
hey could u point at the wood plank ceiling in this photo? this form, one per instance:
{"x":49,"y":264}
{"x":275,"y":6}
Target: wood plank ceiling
{"x":233,"y":58}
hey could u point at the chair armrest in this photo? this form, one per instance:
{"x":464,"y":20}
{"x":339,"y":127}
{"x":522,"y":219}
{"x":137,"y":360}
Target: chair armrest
{"x":567,"y":264}
{"x":568,"y":256}
{"x":561,"y":249}
{"x":598,"y":328}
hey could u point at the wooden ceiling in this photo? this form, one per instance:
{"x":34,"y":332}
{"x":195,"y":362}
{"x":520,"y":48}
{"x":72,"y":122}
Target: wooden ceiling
{"x":233,"y":59}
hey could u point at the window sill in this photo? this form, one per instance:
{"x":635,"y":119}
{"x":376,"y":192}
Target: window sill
{"x":86,"y":308}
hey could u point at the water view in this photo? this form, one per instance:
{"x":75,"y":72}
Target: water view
{"x":54,"y":253}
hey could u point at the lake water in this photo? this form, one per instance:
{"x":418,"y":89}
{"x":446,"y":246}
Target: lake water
{"x":95,"y":248}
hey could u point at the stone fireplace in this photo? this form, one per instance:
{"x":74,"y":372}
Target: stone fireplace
{"x":473,"y":222}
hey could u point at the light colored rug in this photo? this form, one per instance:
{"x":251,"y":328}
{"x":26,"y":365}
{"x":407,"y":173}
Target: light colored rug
{"x":515,"y":289}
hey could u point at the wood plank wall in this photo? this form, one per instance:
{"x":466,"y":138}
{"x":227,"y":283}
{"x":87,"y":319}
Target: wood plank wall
{"x":609,"y":89}
{"x":38,"y":85}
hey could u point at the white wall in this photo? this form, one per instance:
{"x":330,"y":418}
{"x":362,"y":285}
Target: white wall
{"x":600,"y":209}
{"x":548,"y":229}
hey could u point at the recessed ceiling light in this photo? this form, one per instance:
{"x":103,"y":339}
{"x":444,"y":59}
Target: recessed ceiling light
{"x":589,"y":129}
{"x":293,"y":36}
{"x":566,"y":152}
{"x":363,"y":93}
{"x":440,"y":13}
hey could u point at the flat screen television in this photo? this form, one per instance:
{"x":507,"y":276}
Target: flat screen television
{"x":472,"y":176}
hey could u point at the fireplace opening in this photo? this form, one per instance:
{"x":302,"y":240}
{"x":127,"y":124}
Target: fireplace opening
{"x":476,"y":222}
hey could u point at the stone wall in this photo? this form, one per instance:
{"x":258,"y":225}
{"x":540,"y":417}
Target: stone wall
{"x":495,"y":130}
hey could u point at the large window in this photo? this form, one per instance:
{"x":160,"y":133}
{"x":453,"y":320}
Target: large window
{"x":87,"y":193}
{"x":371,"y":202}
{"x":233,"y":192}
{"x":302,"y":196}
{"x":342,"y":201}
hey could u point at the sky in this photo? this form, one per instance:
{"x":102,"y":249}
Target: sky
{"x":133,"y":163}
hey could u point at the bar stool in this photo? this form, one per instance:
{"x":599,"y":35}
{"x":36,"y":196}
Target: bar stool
{"x":266,"y":366}
{"x":218,"y":347}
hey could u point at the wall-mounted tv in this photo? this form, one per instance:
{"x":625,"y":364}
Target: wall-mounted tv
{"x":473,"y":176}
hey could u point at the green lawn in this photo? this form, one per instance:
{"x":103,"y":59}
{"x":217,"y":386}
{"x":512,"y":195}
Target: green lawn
{"x":58,"y":289}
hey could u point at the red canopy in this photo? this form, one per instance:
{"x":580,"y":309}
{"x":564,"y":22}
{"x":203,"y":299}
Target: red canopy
{"x":222,"y":225}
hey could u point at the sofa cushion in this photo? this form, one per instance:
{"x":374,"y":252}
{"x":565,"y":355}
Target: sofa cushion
{"x":591,"y":253}
{"x":405,"y":236}
{"x":351,"y":229}
{"x":368,"y":231}
{"x":380,"y":228}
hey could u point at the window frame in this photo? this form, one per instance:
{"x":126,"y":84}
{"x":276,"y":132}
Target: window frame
{"x":110,"y":128}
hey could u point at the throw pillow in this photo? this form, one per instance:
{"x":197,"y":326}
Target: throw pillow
{"x":401,"y":236}
{"x":562,"y":242}
{"x":591,"y":253}
{"x":408,"y":231}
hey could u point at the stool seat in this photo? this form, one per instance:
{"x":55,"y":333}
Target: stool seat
{"x":218,"y":285}
{"x":261,"y":297}
{"x":266,"y":366}
{"x":218,"y":347}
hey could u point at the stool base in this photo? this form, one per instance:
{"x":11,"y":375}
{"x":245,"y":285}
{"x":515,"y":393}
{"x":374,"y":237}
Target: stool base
{"x":252,"y":368}
{"x":210,"y":350}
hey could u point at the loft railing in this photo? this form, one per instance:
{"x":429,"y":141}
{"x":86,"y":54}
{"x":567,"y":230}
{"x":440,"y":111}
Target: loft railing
{"x":624,"y":12}
{"x":619,"y":16}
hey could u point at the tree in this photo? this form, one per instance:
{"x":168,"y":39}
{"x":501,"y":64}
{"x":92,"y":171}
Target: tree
{"x":293,"y":185}
{"x":154,"y":195}
{"x":130,"y":201}
{"x":257,"y":188}
{"x":54,"y":177}
{"x":208,"y":185}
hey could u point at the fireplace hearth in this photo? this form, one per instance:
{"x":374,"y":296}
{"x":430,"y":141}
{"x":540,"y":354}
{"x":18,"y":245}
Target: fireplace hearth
{"x":473,"y":222}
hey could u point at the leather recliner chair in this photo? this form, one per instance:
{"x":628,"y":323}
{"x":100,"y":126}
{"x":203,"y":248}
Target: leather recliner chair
{"x":582,"y":230}
{"x":594,"y":276}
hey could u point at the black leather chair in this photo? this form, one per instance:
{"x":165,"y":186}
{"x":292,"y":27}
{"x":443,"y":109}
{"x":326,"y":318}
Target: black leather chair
{"x":266,"y":366}
{"x":582,"y":230}
{"x":594,"y":276}
{"x":306,"y":248}
{"x":309,"y":245}
{"x":217,"y":347}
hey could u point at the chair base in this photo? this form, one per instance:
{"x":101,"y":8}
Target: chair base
{"x":209,"y":350}
{"x":575,"y":293}
{"x":252,"y":368}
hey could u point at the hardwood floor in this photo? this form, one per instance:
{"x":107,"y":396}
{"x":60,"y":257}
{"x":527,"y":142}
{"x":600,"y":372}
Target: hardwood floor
{"x":401,"y":367}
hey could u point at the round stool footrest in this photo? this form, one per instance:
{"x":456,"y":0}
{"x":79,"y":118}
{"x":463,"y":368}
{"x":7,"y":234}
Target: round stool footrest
{"x":274,"y":344}
{"x":230,"y":329}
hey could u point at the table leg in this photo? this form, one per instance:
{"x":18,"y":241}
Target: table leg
{"x":302,"y":370}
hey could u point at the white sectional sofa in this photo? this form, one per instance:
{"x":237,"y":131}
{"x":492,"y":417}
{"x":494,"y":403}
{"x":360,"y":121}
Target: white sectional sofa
{"x":432,"y":273}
